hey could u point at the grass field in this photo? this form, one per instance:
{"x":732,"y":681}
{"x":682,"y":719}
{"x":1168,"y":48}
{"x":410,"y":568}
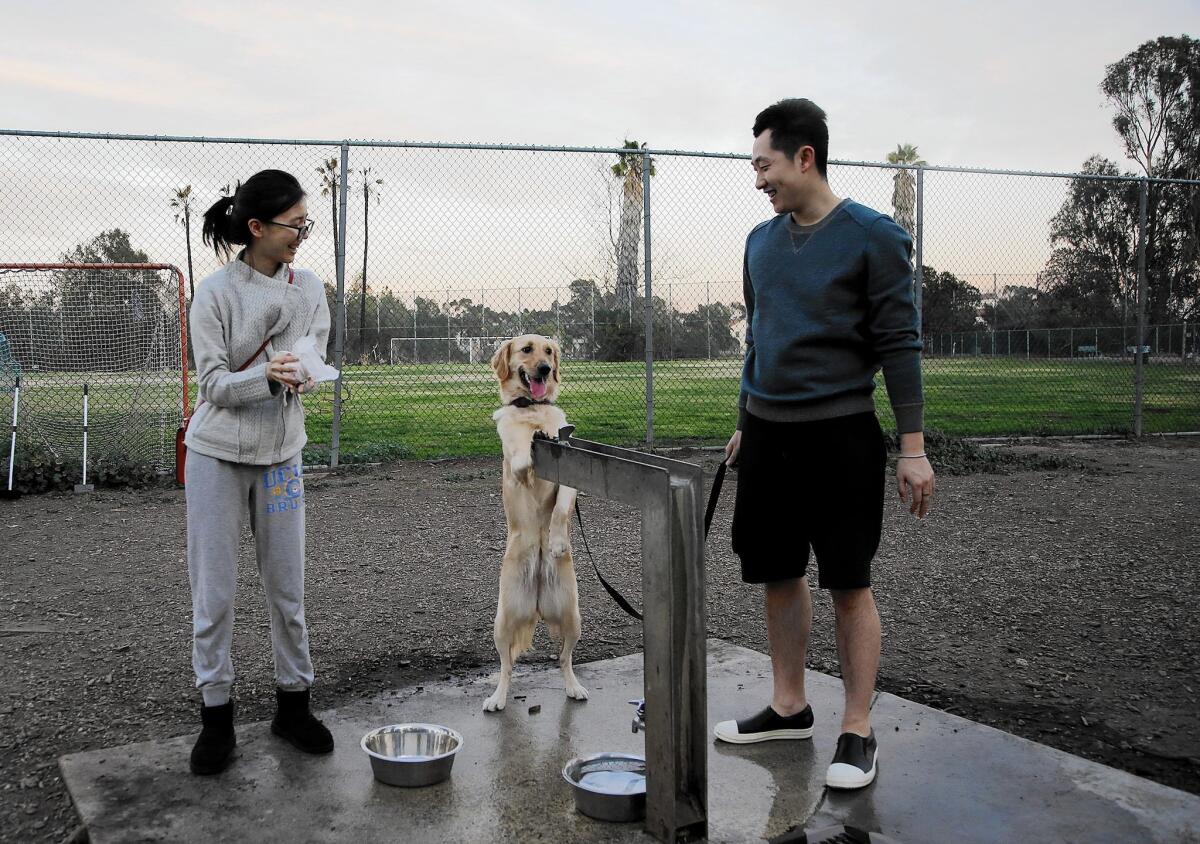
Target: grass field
{"x":432,"y":410}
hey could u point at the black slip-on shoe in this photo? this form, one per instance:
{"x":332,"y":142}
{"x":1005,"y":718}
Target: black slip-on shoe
{"x":854,"y":762}
{"x":767,"y":725}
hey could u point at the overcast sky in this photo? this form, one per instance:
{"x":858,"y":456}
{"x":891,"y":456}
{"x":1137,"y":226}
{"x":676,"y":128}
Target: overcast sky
{"x":1012,"y":85}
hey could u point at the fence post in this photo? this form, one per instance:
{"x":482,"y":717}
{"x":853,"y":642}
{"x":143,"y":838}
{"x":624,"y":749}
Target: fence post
{"x":670,"y":320}
{"x":649,"y":302}
{"x":1139,"y":376}
{"x":339,"y":343}
{"x":708,"y":319}
{"x":919,"y":238}
{"x":995,"y":312}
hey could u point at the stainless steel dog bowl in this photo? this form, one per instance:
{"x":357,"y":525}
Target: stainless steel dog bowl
{"x":609,"y":786}
{"x":411,"y":754}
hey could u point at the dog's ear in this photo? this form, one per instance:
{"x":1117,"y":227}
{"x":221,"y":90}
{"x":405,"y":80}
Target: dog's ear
{"x":556,"y":353}
{"x":500,"y":361}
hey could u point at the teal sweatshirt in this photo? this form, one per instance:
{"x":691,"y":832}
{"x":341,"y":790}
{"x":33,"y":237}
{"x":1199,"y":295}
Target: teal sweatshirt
{"x":828,"y":306}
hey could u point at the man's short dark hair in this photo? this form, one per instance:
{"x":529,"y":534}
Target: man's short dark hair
{"x":796,"y":122}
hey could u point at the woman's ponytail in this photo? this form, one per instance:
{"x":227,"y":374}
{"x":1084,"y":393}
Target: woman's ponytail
{"x":218,"y":231}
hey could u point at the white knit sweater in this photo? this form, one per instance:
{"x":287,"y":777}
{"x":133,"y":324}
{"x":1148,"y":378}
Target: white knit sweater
{"x":245,"y":418}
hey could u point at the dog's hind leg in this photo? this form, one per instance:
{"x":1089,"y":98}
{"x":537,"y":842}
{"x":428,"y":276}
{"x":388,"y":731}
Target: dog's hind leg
{"x":568,"y":624}
{"x":571,"y":683}
{"x":499,"y":698}
{"x":513,"y":633}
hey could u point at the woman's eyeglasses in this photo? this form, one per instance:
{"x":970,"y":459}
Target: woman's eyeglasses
{"x":304,"y":231}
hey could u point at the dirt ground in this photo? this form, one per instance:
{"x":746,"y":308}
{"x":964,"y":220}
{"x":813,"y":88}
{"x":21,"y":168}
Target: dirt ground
{"x":1059,"y":603}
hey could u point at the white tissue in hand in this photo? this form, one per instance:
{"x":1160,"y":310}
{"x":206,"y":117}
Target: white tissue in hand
{"x":312,"y":362}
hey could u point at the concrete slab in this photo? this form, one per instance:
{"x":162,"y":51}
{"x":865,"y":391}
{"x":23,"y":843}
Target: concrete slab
{"x":942,"y":778}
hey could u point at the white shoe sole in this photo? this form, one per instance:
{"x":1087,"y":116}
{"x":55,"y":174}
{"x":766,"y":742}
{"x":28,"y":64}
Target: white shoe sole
{"x":728,"y":731}
{"x":841,"y":775}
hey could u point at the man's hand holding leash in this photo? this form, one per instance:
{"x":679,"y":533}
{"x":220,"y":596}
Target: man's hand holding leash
{"x":731,"y":449}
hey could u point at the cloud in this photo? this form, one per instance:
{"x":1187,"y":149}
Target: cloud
{"x":38,"y":78}
{"x":1011,"y":85}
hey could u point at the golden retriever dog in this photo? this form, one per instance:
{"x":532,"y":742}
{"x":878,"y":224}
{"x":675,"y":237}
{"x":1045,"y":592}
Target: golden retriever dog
{"x":537,"y":575}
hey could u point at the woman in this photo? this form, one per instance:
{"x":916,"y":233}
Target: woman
{"x":244,"y":450}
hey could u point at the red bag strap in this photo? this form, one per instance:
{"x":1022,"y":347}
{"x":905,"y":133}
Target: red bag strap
{"x":261,"y":349}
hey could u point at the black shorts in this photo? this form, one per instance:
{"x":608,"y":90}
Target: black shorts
{"x":803,"y":484}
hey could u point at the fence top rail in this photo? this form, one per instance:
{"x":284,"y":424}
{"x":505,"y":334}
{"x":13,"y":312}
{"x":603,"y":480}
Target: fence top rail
{"x":204,"y":139}
{"x":540,"y":148}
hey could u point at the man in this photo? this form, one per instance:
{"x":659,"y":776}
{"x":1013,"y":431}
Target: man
{"x":829,"y":301}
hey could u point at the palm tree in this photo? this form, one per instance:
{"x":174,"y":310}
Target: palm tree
{"x":904,"y":194}
{"x":369,"y":188}
{"x":182,"y":203}
{"x":328,"y":171}
{"x":629,"y":170}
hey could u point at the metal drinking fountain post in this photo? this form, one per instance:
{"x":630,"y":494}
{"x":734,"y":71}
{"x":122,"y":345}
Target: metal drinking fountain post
{"x":669,"y":494}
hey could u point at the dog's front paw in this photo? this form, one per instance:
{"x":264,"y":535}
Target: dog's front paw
{"x":560,"y":546}
{"x":575,"y":691}
{"x":497,"y":702}
{"x":522,"y":470}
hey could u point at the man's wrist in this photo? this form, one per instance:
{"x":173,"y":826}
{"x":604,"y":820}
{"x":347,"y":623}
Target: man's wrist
{"x":912,"y":444}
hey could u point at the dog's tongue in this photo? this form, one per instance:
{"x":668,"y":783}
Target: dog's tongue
{"x":537,"y":389}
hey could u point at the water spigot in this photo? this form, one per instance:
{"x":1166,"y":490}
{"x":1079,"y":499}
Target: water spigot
{"x":639,"y":716}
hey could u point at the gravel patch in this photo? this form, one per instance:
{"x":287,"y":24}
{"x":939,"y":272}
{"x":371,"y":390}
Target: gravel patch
{"x":1053,"y":593}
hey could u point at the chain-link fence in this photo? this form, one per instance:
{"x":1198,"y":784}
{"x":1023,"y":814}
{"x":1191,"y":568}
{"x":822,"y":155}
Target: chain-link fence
{"x":632,"y":259}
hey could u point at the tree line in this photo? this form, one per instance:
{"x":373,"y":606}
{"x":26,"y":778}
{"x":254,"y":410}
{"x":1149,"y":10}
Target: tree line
{"x":1091,"y":276}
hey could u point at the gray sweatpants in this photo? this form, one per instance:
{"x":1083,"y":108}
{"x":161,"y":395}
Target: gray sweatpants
{"x":218,"y":495}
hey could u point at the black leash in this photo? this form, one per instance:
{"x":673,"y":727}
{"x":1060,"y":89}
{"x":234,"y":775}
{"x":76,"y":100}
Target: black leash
{"x":713,"y":495}
{"x":624,"y":604}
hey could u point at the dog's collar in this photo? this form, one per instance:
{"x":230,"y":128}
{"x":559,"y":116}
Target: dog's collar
{"x":522,"y":401}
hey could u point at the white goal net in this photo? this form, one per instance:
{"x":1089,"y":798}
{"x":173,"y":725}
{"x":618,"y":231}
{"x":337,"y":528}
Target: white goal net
{"x":118,"y":328}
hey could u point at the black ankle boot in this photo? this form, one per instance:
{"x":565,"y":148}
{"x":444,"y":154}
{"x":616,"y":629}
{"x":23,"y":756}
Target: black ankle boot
{"x":214,"y":748}
{"x":294,"y":722}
